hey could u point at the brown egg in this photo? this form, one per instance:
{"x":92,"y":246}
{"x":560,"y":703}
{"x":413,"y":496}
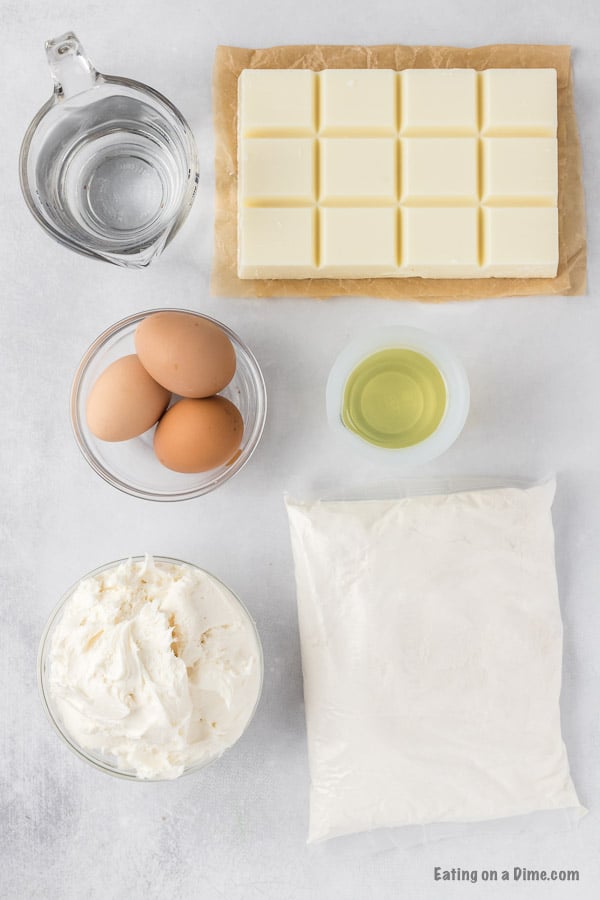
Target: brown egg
{"x":198,"y":435}
{"x":186,"y":354}
{"x":125,"y":401}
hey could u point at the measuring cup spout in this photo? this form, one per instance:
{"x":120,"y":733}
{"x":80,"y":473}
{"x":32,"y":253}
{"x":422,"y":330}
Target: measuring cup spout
{"x":71,"y":70}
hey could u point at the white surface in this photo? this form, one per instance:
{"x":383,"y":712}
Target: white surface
{"x":238,"y":831}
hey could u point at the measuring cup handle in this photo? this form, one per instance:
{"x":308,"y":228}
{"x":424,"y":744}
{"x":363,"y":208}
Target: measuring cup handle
{"x":71,"y":70}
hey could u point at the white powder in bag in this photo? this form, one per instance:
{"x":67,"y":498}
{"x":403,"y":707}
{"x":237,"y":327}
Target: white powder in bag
{"x":431,"y":651}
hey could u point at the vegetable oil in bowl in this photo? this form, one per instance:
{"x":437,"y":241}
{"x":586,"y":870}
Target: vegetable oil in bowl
{"x":398,"y":395}
{"x":394,"y":398}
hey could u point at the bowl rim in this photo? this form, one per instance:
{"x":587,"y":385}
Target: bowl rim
{"x":44,"y":693}
{"x":178,"y":495}
{"x":444,"y":359}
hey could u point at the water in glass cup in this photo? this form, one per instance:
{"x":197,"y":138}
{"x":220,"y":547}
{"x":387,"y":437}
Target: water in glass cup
{"x":108,"y":166}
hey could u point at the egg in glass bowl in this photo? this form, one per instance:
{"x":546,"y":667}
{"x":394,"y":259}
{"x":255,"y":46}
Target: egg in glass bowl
{"x":195,"y":443}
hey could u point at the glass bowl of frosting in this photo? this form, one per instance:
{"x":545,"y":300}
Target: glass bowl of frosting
{"x":150,"y":668}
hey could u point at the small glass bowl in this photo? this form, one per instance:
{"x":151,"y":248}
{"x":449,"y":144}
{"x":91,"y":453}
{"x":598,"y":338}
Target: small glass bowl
{"x":131,"y":466}
{"x":449,"y":366}
{"x":103,"y":762}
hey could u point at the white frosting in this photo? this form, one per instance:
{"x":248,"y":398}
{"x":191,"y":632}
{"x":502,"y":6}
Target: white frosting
{"x":155,"y":664}
{"x":431,"y":649}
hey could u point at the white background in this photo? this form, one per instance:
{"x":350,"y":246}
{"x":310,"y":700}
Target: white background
{"x":238,"y":830}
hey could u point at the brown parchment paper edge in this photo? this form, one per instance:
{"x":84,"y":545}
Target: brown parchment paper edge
{"x":230,"y":61}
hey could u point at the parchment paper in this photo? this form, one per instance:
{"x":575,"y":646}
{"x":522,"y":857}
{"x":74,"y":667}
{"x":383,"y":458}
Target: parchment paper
{"x":230,"y":61}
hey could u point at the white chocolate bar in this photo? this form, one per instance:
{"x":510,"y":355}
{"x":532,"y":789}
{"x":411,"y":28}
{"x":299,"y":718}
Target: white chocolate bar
{"x":352,"y":105}
{"x":438,"y":102}
{"x":358,"y":171}
{"x":278,"y":103}
{"x":519,"y":171}
{"x":440,"y":242}
{"x":358,"y":240}
{"x":278,"y":171}
{"x":520,"y":241}
{"x":280,"y":240}
{"x":439,"y":171}
{"x":368,"y":173}
{"x":518,"y":102}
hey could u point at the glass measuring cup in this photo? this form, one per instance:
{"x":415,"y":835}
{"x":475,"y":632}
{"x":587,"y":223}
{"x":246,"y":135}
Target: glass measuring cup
{"x":108,"y":166}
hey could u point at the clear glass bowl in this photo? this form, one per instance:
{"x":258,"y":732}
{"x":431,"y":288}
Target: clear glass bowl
{"x":99,"y":761}
{"x":131,"y":465}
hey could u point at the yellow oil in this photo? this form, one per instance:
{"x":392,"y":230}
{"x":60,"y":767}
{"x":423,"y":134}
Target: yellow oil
{"x":394,"y":398}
